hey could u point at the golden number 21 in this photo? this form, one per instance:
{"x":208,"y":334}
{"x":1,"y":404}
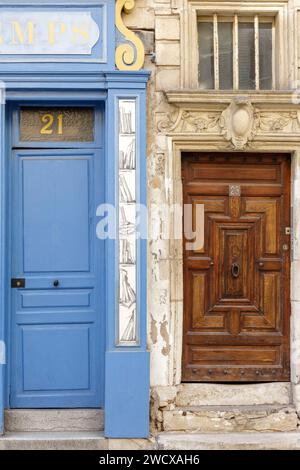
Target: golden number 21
{"x":48,"y":120}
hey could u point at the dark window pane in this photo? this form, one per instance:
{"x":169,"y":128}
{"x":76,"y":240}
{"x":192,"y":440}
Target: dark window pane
{"x":265,"y":56}
{"x":225,"y":56}
{"x":246,"y":56}
{"x":206,"y":55}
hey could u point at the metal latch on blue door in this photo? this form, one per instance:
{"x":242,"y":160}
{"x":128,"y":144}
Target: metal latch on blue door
{"x":17,"y":283}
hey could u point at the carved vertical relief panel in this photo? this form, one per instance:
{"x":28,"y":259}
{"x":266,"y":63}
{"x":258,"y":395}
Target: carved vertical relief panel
{"x":127,"y":323}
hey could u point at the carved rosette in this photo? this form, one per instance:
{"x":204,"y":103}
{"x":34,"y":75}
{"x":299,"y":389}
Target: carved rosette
{"x":130,"y":55}
{"x":238,"y":123}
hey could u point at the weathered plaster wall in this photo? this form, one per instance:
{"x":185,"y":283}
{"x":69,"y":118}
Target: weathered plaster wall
{"x":153,"y":30}
{"x":160,"y":23}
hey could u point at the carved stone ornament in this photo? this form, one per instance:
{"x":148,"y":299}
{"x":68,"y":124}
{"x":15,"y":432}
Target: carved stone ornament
{"x":234,"y":190}
{"x":238,"y":123}
{"x":185,"y":121}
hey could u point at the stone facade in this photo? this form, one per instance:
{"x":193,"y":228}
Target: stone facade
{"x":181,"y":117}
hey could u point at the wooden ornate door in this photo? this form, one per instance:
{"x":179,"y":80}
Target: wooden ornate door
{"x":236,"y":287}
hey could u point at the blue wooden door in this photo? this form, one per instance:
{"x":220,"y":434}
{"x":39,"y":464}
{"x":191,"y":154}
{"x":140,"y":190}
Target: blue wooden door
{"x":57,"y":332}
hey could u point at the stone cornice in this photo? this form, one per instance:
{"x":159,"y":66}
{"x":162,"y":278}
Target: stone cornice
{"x":182,"y":98}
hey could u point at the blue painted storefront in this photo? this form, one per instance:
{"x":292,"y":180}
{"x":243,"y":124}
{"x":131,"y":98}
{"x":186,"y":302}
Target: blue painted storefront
{"x":84,"y":307}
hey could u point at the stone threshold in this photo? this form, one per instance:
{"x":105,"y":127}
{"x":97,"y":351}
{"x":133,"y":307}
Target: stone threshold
{"x":196,"y":441}
{"x":162,"y":441}
{"x":218,"y":407}
{"x":53,"y":420}
{"x":239,"y":419}
{"x":53,"y":441}
{"x":219,"y":394}
{"x":71,"y":441}
{"x":231,"y":441}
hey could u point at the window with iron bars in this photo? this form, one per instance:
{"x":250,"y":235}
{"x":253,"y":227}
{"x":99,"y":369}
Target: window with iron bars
{"x":236,"y":52}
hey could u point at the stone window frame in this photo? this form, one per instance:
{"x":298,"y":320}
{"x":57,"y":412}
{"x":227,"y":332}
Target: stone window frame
{"x":285,"y":75}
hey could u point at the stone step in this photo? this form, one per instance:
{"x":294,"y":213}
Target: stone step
{"x":58,"y":420}
{"x":239,"y":394}
{"x":231,"y":441}
{"x":53,"y":441}
{"x":231,"y":419}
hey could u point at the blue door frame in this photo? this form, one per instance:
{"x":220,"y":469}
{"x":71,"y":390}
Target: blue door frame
{"x":126,"y":397}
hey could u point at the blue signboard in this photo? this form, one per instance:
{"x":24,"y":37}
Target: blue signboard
{"x":69,"y":34}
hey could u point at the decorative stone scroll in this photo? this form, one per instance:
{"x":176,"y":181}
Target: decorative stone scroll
{"x":189,"y":121}
{"x":130,"y":55}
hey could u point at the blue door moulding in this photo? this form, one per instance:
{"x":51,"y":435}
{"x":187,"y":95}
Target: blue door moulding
{"x":126,"y":400}
{"x":3,"y":263}
{"x":127,"y":373}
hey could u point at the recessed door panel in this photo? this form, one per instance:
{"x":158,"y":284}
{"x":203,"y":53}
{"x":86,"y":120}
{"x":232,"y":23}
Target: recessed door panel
{"x":56,"y":214}
{"x":59,"y":367}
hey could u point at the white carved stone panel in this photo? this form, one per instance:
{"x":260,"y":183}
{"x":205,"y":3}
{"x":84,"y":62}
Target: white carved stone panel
{"x":127,"y":314}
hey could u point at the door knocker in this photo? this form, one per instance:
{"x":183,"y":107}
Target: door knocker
{"x":235,"y":270}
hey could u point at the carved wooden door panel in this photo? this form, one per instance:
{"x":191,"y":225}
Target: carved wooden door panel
{"x":236,"y":287}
